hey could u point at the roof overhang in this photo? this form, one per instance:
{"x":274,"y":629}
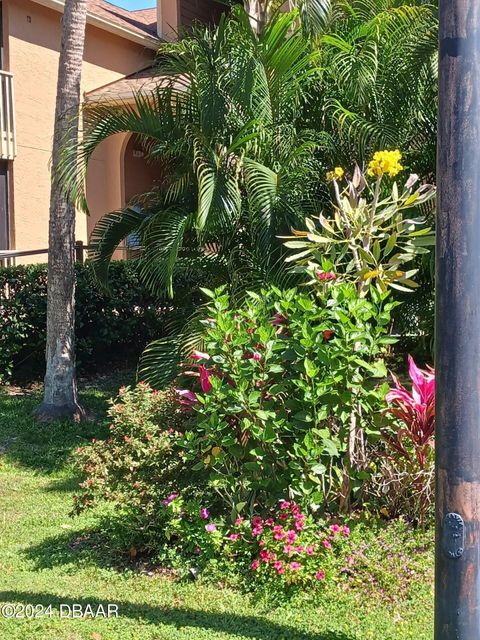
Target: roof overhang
{"x":147,"y":41}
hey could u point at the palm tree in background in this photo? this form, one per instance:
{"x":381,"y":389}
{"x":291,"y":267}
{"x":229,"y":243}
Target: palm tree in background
{"x":60,"y":394}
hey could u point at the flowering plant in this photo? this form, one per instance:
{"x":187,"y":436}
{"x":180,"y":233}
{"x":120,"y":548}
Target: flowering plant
{"x":371,"y":235}
{"x":273,"y":389}
{"x":290,"y":548}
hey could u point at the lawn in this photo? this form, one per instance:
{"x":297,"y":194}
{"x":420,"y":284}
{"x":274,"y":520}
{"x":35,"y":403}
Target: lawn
{"x":48,"y":558}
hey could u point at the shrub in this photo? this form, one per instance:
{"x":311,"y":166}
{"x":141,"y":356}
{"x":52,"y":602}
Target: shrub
{"x":108,"y":325}
{"x":277,"y":388}
{"x":138,"y":465}
{"x":406,"y":479}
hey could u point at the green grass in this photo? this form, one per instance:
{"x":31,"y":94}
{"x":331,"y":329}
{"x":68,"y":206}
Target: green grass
{"x":48,"y":558}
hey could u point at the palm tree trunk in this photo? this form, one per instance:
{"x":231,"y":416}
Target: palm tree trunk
{"x":60,"y":395}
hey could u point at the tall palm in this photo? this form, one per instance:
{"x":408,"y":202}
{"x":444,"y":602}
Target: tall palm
{"x":60,"y":394}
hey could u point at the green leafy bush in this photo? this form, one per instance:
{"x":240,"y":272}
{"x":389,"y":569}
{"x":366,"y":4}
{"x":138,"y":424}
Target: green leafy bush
{"x":280,"y":383}
{"x":120,"y":322}
{"x":138,"y":465}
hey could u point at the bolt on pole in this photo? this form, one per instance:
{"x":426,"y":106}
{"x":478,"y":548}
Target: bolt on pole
{"x":457,"y":563}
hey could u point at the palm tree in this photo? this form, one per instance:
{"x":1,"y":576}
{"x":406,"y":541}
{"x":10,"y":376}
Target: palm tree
{"x":380,"y":80}
{"x":60,"y":394}
{"x":227,"y":123}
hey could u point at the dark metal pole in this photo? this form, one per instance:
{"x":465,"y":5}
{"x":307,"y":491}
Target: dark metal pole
{"x":457,"y":581}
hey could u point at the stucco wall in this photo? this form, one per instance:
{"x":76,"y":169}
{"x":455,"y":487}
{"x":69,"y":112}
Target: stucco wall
{"x":32,"y":56}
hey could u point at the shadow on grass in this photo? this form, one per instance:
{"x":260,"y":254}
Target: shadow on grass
{"x":47,"y":447}
{"x":258,"y":628}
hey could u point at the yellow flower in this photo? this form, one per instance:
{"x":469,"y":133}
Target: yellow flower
{"x":335,"y":174}
{"x":385,"y":162}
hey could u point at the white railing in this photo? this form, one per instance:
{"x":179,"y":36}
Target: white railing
{"x":8,"y":143}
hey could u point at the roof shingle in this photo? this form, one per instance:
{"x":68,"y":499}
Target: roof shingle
{"x":143,"y":21}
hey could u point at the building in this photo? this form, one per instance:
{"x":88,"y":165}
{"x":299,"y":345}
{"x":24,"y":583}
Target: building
{"x":120,"y":48}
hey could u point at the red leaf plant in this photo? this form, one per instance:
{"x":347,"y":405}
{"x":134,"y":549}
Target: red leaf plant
{"x":416,"y":410}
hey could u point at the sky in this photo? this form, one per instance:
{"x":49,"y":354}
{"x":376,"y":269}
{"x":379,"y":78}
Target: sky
{"x":133,"y":4}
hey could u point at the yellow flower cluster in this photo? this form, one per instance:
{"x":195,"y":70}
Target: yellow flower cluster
{"x":335,"y":174}
{"x":385,"y":162}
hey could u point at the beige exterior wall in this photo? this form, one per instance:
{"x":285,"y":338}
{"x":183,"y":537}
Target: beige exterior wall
{"x":32,"y":52}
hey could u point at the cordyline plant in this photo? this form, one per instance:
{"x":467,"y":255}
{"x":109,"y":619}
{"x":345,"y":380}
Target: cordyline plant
{"x":416,"y":411}
{"x":371,"y":237}
{"x":406,"y":477}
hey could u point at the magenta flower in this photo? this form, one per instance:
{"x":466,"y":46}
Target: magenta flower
{"x":299,"y":524}
{"x":278,"y":532}
{"x":205,"y":379}
{"x":327,"y":544}
{"x":278,"y":319}
{"x":200,"y":355}
{"x":257,"y":521}
{"x":288,"y":549}
{"x":269,"y":522}
{"x":416,"y":410}
{"x":295,"y":566}
{"x":187,"y":397}
{"x":255,"y":564}
{"x":234,"y":536}
{"x":284,"y":504}
{"x":264,"y":555}
{"x":239,"y":521}
{"x":310,"y":550}
{"x":204,"y":513}
{"x":325,"y":275}
{"x":256,"y":356}
{"x":346,"y":531}
{"x":210,"y":527}
{"x":299,"y":549}
{"x":256,"y":531}
{"x":278,"y":565}
{"x":291,"y":536}
{"x":320,"y":575}
{"x":335,"y":528}
{"x":169,"y":499}
{"x":283,"y":516}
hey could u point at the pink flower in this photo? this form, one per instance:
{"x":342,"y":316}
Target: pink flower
{"x":169,"y":499}
{"x":278,"y":532}
{"x":278,"y":319}
{"x":239,"y":521}
{"x":205,"y":379}
{"x":257,"y":521}
{"x":346,"y":531}
{"x":204,"y":513}
{"x":269,"y":522}
{"x":278,"y":565}
{"x":299,"y":524}
{"x":299,"y":549}
{"x":210,"y":527}
{"x":320,"y":575}
{"x":264,"y":555}
{"x":334,"y":528}
{"x":256,"y":356}
{"x":327,"y":544}
{"x":256,"y":531}
{"x":325,"y":275}
{"x":200,"y":355}
{"x":296,"y":510}
{"x":288,"y":549}
{"x":234,"y":536}
{"x":291,"y":536}
{"x":295,"y":566}
{"x":283,"y":516}
{"x":284,"y":504}
{"x":186,"y":396}
{"x":261,"y":543}
{"x":310,"y":550}
{"x":255,"y":564}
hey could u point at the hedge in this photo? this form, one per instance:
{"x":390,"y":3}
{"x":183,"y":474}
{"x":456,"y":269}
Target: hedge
{"x":110,"y":327}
